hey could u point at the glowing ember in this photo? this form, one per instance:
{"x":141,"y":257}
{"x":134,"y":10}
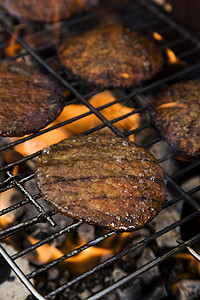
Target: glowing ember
{"x":173,"y":59}
{"x":85,"y":123}
{"x":13,"y":47}
{"x":157,"y":36}
{"x":193,"y":263}
{"x":168,"y":7}
{"x":15,"y":170}
{"x":172,"y":104}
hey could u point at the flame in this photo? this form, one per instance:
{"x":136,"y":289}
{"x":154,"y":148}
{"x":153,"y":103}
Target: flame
{"x":83,"y":124}
{"x":183,"y":157}
{"x":13,"y":47}
{"x":15,"y":170}
{"x":192,"y":270}
{"x":193,"y":262}
{"x":172,"y":104}
{"x":157,"y":36}
{"x":39,"y":143}
{"x":168,"y":8}
{"x":77,"y":264}
{"x":87,"y":258}
{"x":173,"y":59}
{"x":9,"y":218}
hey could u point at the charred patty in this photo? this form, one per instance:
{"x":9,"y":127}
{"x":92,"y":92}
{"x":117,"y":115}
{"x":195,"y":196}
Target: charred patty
{"x":41,"y":10}
{"x":29,"y":100}
{"x":104,"y":180}
{"x":111,"y":57}
{"x":177,"y":116}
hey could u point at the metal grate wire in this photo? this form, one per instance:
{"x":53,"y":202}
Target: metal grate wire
{"x":157,"y":21}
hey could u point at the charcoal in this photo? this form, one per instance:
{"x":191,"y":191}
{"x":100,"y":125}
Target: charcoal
{"x":85,"y":294}
{"x":150,"y":275}
{"x":188,"y":289}
{"x":86,"y":232}
{"x":118,"y":274}
{"x":4,"y":270}
{"x":165,"y":218}
{"x":157,"y":292}
{"x":64,"y":277}
{"x":191,"y":183}
{"x":141,"y":234}
{"x":161,"y":149}
{"x":130,"y":291}
{"x":13,"y":288}
{"x":97,"y":288}
{"x":53,"y":274}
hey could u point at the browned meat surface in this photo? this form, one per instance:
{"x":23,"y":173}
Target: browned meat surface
{"x":29,"y":100}
{"x":41,"y":10}
{"x":104,"y":180}
{"x":111,"y":57}
{"x":178,"y":118}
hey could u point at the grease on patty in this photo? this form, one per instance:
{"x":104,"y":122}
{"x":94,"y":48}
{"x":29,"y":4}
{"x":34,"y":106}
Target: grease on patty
{"x":29,"y":100}
{"x":104,"y":180}
{"x":111,"y":57}
{"x":177,"y":116}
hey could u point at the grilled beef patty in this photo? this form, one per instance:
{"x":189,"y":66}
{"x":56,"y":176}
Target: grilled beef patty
{"x":104,"y":180}
{"x":41,"y":10}
{"x":111,"y":57}
{"x":29,"y":100}
{"x":177,"y":116}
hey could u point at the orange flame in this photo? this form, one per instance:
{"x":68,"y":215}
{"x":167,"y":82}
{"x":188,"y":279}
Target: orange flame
{"x":15,"y":170}
{"x":13,"y":47}
{"x":173,"y":59}
{"x":172,"y":104}
{"x":77,"y":264}
{"x":83,"y":124}
{"x":87,"y":258}
{"x":157,"y":36}
{"x":7,"y":219}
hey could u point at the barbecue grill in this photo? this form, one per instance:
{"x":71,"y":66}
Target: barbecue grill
{"x":147,"y":18}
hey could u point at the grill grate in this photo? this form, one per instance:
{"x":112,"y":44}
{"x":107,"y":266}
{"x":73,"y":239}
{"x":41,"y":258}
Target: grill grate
{"x":187,"y":48}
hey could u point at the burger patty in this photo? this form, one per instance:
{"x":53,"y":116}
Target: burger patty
{"x":41,"y":10}
{"x":29,"y":100}
{"x":103,"y":180}
{"x":177,"y":116}
{"x":111,"y":57}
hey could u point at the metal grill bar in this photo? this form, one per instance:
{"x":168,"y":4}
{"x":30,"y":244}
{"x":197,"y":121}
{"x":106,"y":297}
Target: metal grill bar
{"x":181,"y":192}
{"x":145,"y":268}
{"x":121,"y":254}
{"x":68,"y":86}
{"x":21,"y":226}
{"x":70,"y":254}
{"x":31,"y":199}
{"x":160,"y":23}
{"x":20,"y":274}
{"x":47,"y":240}
{"x":169,"y":21}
